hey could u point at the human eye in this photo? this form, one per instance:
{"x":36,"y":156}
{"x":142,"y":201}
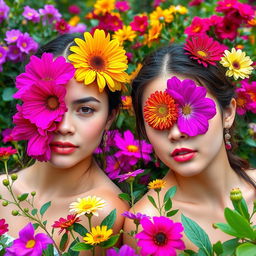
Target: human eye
{"x":85,"y":110}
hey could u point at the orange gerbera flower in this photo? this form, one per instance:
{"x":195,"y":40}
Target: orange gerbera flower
{"x":160,"y":110}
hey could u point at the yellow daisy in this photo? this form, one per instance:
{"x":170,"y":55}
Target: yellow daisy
{"x":87,"y":205}
{"x":98,"y":235}
{"x":124,"y":34}
{"x":237,"y":63}
{"x":157,"y":184}
{"x":99,"y":59}
{"x":154,"y":32}
{"x":161,"y":15}
{"x":104,"y":6}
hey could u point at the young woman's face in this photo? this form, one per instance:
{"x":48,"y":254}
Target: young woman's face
{"x":203,"y":148}
{"x":82,"y":127}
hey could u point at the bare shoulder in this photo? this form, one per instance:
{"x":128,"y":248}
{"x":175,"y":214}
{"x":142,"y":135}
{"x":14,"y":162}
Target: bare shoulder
{"x":252,"y":173}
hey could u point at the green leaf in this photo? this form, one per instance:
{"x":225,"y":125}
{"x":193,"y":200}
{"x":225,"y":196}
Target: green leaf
{"x":7,"y":94}
{"x":66,"y":254}
{"x":45,"y":222}
{"x":44,"y":208}
{"x":152,"y":201}
{"x":239,"y":224}
{"x":23,"y":197}
{"x":196,"y":235}
{"x":110,"y":242}
{"x":246,"y":249}
{"x":73,"y":253}
{"x":80,"y":229}
{"x":218,"y":248}
{"x":229,"y":247}
{"x":170,"y":193}
{"x":81,"y":247}
{"x":171,"y":213}
{"x":168,"y":205}
{"x":226,"y":229}
{"x":34,"y":212}
{"x":125,"y":197}
{"x":242,"y":208}
{"x":63,"y":241}
{"x":36,"y":225}
{"x":190,"y":252}
{"x":49,"y":251}
{"x":109,"y":220}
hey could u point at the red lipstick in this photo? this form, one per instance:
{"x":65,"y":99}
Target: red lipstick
{"x":63,"y":148}
{"x":183,"y":154}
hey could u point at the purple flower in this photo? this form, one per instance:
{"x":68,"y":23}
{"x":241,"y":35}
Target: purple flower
{"x":194,"y":108}
{"x":28,"y":243}
{"x":50,"y":14}
{"x":31,"y":14}
{"x":129,"y":175}
{"x":79,"y":28}
{"x":4,"y":10}
{"x":12,"y":36}
{"x":137,"y":217}
{"x":14,"y":53}
{"x":125,"y":250}
{"x":133,"y":149}
{"x":115,"y":166}
{"x":26,"y":43}
{"x":7,"y":136}
{"x":3,"y":54}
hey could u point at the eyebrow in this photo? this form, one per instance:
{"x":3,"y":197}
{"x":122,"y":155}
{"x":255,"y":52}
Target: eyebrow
{"x":85,"y":100}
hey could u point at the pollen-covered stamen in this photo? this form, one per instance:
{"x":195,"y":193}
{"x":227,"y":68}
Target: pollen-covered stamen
{"x":52,"y":102}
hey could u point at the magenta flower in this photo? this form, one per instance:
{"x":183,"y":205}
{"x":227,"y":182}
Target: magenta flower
{"x":3,"y":55}
{"x":3,"y":227}
{"x":195,"y":2}
{"x":12,"y":35}
{"x":14,"y":53}
{"x":136,"y":217}
{"x":7,"y":135}
{"x":115,"y":166}
{"x":62,"y":26}
{"x":26,"y":43}
{"x":28,"y":243}
{"x":31,"y":14}
{"x":122,"y":6}
{"x":74,"y":9}
{"x":58,"y":71}
{"x":198,"y":26}
{"x":6,"y":152}
{"x":125,"y":250}
{"x":226,"y":29}
{"x":129,"y":175}
{"x":250,"y":88}
{"x":140,"y":23}
{"x":49,"y":14}
{"x":194,"y":108}
{"x":160,"y":237}
{"x":133,"y":149}
{"x":4,"y":10}
{"x":38,"y":139}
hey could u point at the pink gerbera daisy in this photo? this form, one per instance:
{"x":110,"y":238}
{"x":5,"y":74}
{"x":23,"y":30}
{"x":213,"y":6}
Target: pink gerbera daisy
{"x":204,"y":49}
{"x":46,"y":68}
{"x":160,"y":237}
{"x":194,"y":108}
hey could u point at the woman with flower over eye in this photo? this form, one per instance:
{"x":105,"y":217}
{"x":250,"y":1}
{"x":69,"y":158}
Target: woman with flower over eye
{"x":185,"y":107}
{"x":70,"y":94}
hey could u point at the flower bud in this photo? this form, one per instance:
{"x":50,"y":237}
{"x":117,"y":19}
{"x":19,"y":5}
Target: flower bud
{"x":4,"y":203}
{"x":33,"y":193}
{"x":6,"y":182}
{"x":1,"y":197}
{"x":26,"y":210}
{"x":15,"y":212}
{"x":15,"y":157}
{"x":14,"y":176}
{"x":236,"y":195}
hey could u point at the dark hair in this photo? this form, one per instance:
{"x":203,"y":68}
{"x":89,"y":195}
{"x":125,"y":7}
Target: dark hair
{"x":60,"y":47}
{"x":172,"y":59}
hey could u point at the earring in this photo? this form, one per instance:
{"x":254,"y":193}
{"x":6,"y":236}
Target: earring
{"x":227,"y":138}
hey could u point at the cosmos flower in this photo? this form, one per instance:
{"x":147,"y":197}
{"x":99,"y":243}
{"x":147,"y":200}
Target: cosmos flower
{"x":160,"y":110}
{"x":12,"y":35}
{"x":98,"y":235}
{"x":66,"y":224}
{"x":129,"y":175}
{"x":239,"y":65}
{"x":26,"y":43}
{"x":31,"y":14}
{"x":99,"y":59}
{"x":204,"y":49}
{"x":136,"y":217}
{"x":194,"y":108}
{"x":160,"y":237}
{"x":87,"y":205}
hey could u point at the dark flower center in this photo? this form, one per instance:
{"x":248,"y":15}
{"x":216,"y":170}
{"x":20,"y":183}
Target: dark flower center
{"x":160,"y":239}
{"x":236,"y":65}
{"x":186,"y":110}
{"x":52,"y":102}
{"x":97,"y":63}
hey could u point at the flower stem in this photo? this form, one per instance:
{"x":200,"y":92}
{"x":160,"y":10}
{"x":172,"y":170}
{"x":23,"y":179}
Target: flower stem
{"x":132,"y":196}
{"x":159,"y":204}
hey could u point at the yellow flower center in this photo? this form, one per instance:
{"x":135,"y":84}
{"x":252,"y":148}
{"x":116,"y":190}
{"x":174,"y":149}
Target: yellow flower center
{"x":86,"y":206}
{"x":186,"y":110}
{"x":97,"y":63}
{"x":52,"y":102}
{"x":1,"y":55}
{"x":30,"y":13}
{"x":14,"y":37}
{"x":236,"y":65}
{"x":30,"y":243}
{"x":160,"y":238}
{"x":196,"y":29}
{"x":132,"y":148}
{"x":162,"y":110}
{"x":202,"y":53}
{"x":98,"y":238}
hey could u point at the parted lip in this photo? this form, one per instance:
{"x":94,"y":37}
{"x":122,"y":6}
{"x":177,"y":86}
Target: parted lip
{"x":177,"y":151}
{"x":63,"y":144}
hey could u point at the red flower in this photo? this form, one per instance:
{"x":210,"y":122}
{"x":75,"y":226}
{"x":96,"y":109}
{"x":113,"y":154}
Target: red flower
{"x":62,"y":26}
{"x":3,"y":227}
{"x":66,"y":224}
{"x":198,"y":26}
{"x":140,"y":23}
{"x":204,"y":49}
{"x":5,"y":153}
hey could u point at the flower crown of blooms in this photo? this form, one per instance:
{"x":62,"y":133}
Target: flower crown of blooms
{"x":42,"y":90}
{"x":183,"y":102}
{"x":99,"y":60}
{"x":207,"y":51}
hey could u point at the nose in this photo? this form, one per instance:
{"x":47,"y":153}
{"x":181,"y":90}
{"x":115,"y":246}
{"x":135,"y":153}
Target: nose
{"x":175,"y":134}
{"x":66,"y":126}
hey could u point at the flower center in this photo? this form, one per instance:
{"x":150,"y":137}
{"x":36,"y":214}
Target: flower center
{"x":236,"y":65}
{"x":30,"y":243}
{"x":162,"y":110}
{"x":132,"y":148}
{"x":202,"y":53}
{"x":52,"y":102}
{"x":240,"y":102}
{"x":86,"y":206}
{"x":97,"y":63}
{"x":160,"y":239}
{"x":186,"y":110}
{"x":30,"y":14}
{"x":98,"y":238}
{"x":14,"y":38}
{"x":1,"y":55}
{"x":196,"y":29}
{"x":24,"y":45}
